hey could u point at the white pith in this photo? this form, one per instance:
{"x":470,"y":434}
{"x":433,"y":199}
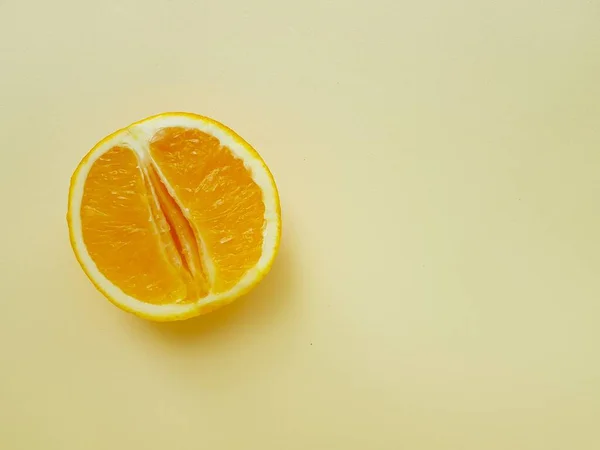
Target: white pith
{"x":137,"y":137}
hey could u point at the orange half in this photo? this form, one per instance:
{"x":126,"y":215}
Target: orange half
{"x":174,"y":216}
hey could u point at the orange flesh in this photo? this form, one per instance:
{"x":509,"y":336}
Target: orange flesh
{"x":225,"y":205}
{"x":162,"y":249}
{"x":125,"y":234}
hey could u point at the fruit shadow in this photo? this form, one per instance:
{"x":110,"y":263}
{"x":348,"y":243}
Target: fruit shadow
{"x":264,"y":304}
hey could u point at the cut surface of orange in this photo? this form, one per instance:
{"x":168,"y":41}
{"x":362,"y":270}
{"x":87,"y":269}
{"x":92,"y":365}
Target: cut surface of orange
{"x":174,"y":216}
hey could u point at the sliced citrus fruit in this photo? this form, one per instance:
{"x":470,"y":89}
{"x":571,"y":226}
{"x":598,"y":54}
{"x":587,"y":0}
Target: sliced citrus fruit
{"x":174,"y":216}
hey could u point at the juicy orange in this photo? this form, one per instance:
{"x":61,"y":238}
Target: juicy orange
{"x":174,"y":216}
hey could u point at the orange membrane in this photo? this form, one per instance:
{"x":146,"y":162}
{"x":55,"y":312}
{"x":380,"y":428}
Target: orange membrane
{"x":189,"y":224}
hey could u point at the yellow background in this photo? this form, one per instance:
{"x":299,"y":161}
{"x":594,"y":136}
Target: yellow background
{"x":437,"y":286}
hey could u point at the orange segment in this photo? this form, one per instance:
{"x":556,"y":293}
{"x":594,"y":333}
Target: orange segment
{"x":223,"y":202}
{"x":184,"y":238}
{"x":125,"y":234}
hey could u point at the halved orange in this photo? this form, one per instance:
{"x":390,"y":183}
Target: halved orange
{"x":174,"y":216}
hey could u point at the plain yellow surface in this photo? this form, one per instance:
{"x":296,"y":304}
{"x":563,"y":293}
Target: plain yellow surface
{"x":437,"y":286}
